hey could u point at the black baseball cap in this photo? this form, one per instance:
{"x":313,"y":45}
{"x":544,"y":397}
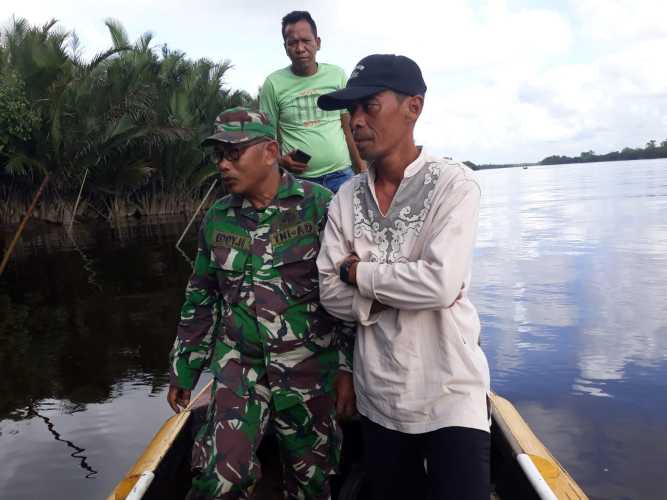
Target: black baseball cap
{"x":374,"y":74}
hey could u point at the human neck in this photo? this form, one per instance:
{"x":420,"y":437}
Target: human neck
{"x":266,"y":191}
{"x":309,"y":70}
{"x":390,"y":169}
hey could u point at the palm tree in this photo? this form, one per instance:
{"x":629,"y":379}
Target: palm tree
{"x":130,"y":120}
{"x":45,"y":62}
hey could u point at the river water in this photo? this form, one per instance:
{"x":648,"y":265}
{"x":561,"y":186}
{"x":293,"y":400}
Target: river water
{"x":570,"y":279}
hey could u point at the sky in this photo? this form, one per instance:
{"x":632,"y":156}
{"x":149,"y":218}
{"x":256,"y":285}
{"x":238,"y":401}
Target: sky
{"x":508,"y":81}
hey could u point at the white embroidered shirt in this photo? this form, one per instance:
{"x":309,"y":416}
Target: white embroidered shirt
{"x":418,"y":366}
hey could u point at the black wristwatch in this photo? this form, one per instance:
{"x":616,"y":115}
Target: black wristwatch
{"x":345,"y":271}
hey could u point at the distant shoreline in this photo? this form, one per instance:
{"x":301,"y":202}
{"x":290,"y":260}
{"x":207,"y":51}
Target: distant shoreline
{"x":564,"y":161}
{"x":492,"y":166}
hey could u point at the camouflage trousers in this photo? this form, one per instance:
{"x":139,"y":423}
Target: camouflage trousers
{"x":225,"y":450}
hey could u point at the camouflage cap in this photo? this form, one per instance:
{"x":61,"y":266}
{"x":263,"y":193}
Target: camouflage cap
{"x":240,"y":124}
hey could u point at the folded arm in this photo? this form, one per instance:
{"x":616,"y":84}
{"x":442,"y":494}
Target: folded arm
{"x":437,"y":279}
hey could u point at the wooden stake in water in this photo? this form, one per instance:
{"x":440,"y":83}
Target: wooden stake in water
{"x":11,"y":246}
{"x":78,"y":198}
{"x":208,"y":193}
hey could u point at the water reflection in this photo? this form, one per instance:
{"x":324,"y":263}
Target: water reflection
{"x":568,"y":240}
{"x":85,"y":320}
{"x":88,"y":263}
{"x":569,"y":280}
{"x":78,"y":451}
{"x":72,"y":335}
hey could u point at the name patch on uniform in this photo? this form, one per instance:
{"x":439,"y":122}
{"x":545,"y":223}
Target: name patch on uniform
{"x":231,"y":240}
{"x":285,"y":234}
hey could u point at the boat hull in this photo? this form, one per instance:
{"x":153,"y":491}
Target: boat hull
{"x":522,"y":468}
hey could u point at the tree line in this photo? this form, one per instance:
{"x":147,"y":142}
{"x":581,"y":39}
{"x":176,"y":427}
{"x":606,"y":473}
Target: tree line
{"x":652,"y":150}
{"x":128,"y":120}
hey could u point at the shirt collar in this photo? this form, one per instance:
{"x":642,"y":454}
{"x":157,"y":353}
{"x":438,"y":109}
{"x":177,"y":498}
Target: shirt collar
{"x":287,"y":188}
{"x":410,"y":170}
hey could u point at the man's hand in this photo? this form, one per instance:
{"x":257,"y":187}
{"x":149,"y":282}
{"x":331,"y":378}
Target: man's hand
{"x":178,"y":398}
{"x":352,"y":273}
{"x":346,"y":401}
{"x":289,"y":163}
{"x":378,"y":307}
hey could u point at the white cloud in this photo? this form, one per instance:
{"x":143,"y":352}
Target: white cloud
{"x":622,"y":20}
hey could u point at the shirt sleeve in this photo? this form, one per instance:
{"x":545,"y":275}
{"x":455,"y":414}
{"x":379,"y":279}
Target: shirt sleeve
{"x":436,"y":280}
{"x":268,"y":103}
{"x":338,"y":298}
{"x":199,"y":321}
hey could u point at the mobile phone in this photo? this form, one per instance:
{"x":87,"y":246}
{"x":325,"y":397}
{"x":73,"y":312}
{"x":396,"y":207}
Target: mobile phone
{"x":300,"y":156}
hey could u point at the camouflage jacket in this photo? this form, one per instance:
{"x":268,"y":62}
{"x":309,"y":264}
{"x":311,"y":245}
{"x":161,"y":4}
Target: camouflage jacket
{"x":252,"y":304}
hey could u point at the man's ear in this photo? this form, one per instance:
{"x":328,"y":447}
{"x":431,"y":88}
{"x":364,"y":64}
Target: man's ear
{"x":415,"y":104}
{"x":319,"y":42}
{"x":272,"y":150}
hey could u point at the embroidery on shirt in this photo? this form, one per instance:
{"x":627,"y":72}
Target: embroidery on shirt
{"x":389,"y":233}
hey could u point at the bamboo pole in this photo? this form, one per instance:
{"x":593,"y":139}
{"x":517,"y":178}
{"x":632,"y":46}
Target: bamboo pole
{"x":78,"y":198}
{"x":11,"y":246}
{"x":208,"y":193}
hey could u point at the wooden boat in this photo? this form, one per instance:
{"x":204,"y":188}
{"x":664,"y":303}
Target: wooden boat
{"x":521,"y":466}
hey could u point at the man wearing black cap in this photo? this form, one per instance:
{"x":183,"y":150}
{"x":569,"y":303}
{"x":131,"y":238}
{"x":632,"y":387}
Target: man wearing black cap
{"x":396,"y":258}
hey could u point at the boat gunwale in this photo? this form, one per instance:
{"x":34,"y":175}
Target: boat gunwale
{"x":514,"y":430}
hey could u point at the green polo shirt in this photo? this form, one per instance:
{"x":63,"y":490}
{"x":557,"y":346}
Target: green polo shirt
{"x":291,"y":100}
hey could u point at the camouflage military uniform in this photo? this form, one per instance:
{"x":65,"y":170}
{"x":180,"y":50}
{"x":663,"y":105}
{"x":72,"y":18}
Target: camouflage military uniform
{"x":252,"y":313}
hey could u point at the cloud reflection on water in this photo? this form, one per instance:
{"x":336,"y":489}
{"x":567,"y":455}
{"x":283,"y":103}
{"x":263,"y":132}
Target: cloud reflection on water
{"x":574,"y":247}
{"x":569,"y":278}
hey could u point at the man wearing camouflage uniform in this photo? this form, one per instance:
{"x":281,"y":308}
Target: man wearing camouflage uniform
{"x":252,"y":313}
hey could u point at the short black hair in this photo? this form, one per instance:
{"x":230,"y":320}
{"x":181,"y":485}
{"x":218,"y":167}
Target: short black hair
{"x":299,"y":15}
{"x":400,"y":96}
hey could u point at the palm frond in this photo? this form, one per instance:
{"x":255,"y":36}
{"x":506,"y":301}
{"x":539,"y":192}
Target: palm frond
{"x":144,"y":42}
{"x":101,"y":57}
{"x":20,"y":164}
{"x":118,"y":34}
{"x":48,"y":25}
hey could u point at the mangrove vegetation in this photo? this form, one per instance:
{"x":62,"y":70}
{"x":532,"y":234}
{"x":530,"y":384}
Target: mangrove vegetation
{"x":128,"y":121}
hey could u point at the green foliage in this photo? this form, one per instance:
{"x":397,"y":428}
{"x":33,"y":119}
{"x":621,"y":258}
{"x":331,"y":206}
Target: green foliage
{"x":132,"y":116}
{"x":17,"y":118}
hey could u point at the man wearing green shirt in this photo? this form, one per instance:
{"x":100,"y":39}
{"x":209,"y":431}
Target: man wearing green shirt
{"x":290,"y":95}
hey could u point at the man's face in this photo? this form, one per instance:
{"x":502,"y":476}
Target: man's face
{"x":244,"y":166}
{"x":301,"y":44}
{"x":379,"y":123}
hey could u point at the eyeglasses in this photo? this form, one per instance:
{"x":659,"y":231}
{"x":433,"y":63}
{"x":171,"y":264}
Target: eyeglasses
{"x":233,"y":153}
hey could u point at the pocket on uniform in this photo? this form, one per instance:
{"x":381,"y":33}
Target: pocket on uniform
{"x":230,"y":267}
{"x":296,"y":264}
